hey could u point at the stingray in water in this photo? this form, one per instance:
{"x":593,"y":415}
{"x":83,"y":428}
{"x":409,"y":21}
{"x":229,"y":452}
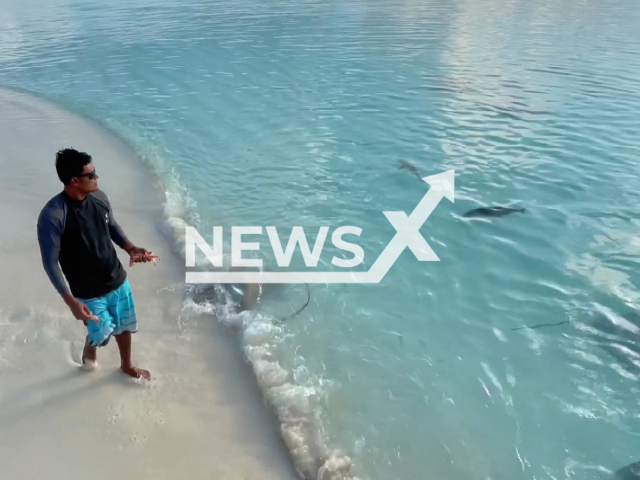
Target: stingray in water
{"x":629,"y":472}
{"x":246,"y":296}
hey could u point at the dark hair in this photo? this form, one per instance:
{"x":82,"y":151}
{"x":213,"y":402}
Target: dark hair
{"x":70,"y":163}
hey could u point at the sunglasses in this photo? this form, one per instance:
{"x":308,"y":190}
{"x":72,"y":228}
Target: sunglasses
{"x":90,"y":175}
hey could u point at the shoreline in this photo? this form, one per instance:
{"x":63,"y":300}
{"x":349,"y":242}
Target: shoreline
{"x":202,"y":411}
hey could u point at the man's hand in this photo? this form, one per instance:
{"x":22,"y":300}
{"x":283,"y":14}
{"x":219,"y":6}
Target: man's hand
{"x":79,"y":309}
{"x":139,"y":255}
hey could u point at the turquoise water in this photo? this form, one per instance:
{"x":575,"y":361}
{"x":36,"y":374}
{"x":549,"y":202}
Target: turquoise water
{"x":296,"y":113}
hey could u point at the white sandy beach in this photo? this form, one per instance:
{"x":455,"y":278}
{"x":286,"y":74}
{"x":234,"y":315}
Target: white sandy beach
{"x":200,"y":417}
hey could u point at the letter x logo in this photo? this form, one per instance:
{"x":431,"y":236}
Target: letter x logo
{"x":408,"y":234}
{"x":408,"y":227}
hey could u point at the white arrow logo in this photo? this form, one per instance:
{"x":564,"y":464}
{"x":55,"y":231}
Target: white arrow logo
{"x":407,"y":235}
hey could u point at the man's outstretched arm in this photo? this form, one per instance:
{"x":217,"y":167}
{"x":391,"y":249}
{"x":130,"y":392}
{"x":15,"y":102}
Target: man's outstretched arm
{"x":117,"y":234}
{"x":137,"y":254}
{"x":115,"y":230}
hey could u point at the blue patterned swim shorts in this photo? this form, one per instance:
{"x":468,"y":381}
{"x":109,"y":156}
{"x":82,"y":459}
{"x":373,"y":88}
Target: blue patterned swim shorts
{"x":116,"y":312}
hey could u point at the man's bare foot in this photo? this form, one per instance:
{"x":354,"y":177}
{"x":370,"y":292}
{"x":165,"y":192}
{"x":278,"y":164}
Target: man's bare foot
{"x":89,"y":355}
{"x":136,"y":372}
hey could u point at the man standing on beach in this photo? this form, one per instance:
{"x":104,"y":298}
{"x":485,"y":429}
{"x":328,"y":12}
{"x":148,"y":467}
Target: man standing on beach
{"x":76,"y":229}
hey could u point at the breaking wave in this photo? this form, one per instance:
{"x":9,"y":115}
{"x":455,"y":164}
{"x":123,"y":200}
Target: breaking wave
{"x":295,"y":394}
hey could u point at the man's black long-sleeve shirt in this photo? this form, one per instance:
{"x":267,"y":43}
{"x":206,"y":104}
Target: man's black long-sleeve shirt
{"x":78,"y":235}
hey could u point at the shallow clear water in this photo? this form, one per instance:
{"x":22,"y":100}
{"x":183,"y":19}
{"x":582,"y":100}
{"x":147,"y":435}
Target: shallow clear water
{"x":296,"y":113}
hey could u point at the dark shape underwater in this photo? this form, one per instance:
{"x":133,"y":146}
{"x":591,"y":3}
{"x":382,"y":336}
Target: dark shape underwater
{"x":493,"y":211}
{"x":630,"y":472}
{"x":405,"y":165}
{"x":246,"y":296}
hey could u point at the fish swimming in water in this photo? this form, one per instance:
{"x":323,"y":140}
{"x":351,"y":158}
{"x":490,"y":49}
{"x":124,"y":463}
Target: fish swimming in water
{"x":405,"y":165}
{"x":493,"y":211}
